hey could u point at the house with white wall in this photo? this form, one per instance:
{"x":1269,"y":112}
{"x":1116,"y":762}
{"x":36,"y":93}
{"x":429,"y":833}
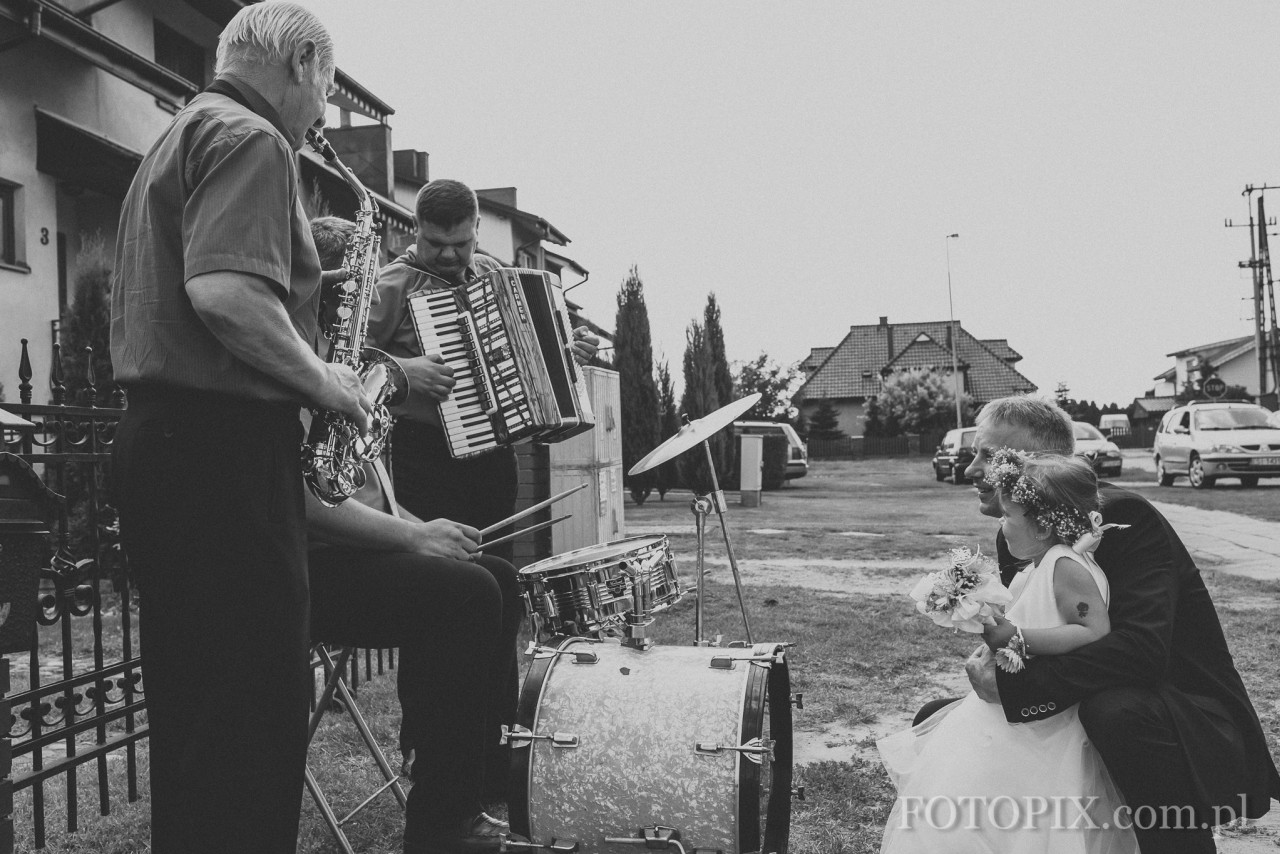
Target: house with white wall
{"x":86,"y":86}
{"x":850,"y":374}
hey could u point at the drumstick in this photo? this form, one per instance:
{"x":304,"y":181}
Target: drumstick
{"x":498,"y":526}
{"x":528,"y":530}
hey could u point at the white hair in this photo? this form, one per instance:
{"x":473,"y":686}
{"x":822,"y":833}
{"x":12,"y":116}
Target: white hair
{"x":266,"y":33}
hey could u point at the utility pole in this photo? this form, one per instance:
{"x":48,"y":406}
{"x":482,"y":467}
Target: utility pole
{"x":1265,"y":346}
{"x":955,"y":363}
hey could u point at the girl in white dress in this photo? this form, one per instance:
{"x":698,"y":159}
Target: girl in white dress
{"x":967,"y":779}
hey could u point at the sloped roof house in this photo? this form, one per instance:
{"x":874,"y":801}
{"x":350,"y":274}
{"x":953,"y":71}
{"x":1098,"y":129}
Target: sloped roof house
{"x":852,"y":372}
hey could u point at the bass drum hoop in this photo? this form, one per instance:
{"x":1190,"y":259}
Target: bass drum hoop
{"x":777,"y":828}
{"x":777,"y":831}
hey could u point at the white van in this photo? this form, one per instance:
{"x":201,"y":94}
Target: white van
{"x":1116,"y":424}
{"x":797,"y":451}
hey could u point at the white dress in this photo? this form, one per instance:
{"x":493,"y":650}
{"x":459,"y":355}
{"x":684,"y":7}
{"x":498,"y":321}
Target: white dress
{"x":969,"y":781}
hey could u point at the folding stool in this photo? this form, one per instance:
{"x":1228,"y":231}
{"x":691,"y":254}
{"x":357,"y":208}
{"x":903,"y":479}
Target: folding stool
{"x":335,"y":683}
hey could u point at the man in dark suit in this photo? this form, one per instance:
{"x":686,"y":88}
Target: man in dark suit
{"x":1159,"y":696}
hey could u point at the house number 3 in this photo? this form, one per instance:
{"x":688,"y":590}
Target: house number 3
{"x":44,"y":237}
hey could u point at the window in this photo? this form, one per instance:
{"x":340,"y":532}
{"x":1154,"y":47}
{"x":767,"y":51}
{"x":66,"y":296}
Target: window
{"x":8,"y":213}
{"x":179,"y":54}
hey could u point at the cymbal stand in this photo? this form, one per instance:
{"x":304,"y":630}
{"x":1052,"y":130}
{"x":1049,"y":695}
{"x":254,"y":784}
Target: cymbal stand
{"x":701,"y":506}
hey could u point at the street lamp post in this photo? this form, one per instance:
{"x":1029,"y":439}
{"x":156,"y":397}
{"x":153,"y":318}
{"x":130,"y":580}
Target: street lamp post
{"x":955,"y":363}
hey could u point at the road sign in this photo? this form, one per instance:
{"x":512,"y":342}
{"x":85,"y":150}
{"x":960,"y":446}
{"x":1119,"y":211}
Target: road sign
{"x":1215,"y":387}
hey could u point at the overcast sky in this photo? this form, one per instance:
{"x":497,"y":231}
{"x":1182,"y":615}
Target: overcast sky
{"x":804,"y":160}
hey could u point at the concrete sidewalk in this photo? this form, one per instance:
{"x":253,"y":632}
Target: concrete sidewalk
{"x":1227,"y":542}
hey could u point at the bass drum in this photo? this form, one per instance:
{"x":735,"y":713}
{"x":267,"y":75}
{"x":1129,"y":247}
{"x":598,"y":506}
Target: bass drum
{"x":613,"y":745}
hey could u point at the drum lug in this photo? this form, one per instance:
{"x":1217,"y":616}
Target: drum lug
{"x":798,"y":793}
{"x":655,"y":837}
{"x":763,"y":654}
{"x":559,"y":846}
{"x":518,"y":737}
{"x":754,"y":750}
{"x":797,"y":699}
{"x":579,"y":656}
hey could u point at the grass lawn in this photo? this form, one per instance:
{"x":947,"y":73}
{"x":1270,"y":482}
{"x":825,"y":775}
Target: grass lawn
{"x":859,"y":660}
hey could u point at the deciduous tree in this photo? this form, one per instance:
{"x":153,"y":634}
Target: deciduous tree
{"x":775,"y":383}
{"x":921,"y":399}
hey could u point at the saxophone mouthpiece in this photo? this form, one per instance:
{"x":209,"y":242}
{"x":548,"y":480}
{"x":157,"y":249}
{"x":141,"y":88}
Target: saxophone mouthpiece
{"x":320,"y":144}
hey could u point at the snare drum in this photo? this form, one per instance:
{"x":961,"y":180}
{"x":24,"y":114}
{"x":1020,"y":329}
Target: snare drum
{"x":588,"y":591}
{"x":615,"y":744}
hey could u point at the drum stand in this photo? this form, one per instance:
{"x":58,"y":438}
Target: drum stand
{"x":701,"y":507}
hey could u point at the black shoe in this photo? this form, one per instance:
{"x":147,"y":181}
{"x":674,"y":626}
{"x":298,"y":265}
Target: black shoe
{"x":482,"y":834}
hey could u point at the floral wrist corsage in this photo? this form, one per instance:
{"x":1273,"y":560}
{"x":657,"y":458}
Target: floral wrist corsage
{"x":1012,"y":657}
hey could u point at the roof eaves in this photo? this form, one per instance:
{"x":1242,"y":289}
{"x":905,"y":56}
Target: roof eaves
{"x":549,"y":231}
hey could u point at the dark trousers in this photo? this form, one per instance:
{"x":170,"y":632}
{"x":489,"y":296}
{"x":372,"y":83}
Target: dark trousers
{"x":430,"y":484}
{"x":477,"y":491}
{"x":211,"y":509}
{"x":444,"y":615}
{"x":1135,"y":734}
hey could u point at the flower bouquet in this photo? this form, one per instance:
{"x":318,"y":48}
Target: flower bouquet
{"x":965,"y":595}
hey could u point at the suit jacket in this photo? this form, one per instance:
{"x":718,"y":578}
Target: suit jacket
{"x":1165,"y":635}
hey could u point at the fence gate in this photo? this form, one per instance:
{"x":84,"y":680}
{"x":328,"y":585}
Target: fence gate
{"x":72,"y":683}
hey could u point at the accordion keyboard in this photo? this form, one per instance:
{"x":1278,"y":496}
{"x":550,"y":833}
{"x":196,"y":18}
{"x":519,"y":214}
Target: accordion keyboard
{"x":488,"y":402}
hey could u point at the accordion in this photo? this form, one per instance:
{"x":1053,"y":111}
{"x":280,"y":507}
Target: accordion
{"x":507,"y":336}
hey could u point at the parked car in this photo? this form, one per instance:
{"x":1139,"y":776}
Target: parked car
{"x":1097,"y":450}
{"x":954,"y":454}
{"x":797,"y":450}
{"x":1208,"y":440}
{"x":1114,"y":424}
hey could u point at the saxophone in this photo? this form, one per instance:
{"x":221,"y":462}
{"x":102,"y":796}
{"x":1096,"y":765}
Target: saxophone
{"x":334,"y":455}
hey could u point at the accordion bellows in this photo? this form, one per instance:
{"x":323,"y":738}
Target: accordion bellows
{"x":507,"y":337}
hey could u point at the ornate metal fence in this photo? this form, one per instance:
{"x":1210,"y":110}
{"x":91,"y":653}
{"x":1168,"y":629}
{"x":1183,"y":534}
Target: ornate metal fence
{"x":73,"y":692}
{"x":74,"y":698}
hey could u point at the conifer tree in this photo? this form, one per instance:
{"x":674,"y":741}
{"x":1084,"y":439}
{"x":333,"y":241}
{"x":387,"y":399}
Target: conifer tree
{"x":825,"y":423}
{"x":633,"y":359}
{"x":872,"y":419}
{"x":723,"y":450}
{"x":88,"y":324}
{"x":699,"y":399}
{"x":668,"y":426}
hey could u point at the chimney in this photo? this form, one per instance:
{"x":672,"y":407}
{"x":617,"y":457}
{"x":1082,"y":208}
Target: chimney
{"x":501,"y":195}
{"x":888,"y":338}
{"x":366,"y":150}
{"x":411,"y":165}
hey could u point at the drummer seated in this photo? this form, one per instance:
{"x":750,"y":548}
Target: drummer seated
{"x":382,"y":578}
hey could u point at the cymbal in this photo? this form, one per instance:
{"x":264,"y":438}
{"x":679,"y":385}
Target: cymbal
{"x":694,"y":433}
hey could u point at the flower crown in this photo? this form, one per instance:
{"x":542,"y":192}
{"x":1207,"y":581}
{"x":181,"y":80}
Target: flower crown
{"x":1069,"y":524}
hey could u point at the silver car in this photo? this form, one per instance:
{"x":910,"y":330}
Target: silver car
{"x":1097,"y":450}
{"x":1205,"y":441}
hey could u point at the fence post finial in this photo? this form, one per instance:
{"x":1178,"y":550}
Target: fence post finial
{"x":90,"y":390}
{"x":55,"y":377}
{"x":24,"y":375}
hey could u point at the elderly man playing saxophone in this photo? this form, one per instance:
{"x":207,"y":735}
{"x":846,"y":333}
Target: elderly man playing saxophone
{"x":213,"y":334}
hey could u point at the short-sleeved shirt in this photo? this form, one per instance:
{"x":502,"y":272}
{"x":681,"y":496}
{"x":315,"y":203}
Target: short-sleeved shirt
{"x":390,"y":324}
{"x":218,"y":191}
